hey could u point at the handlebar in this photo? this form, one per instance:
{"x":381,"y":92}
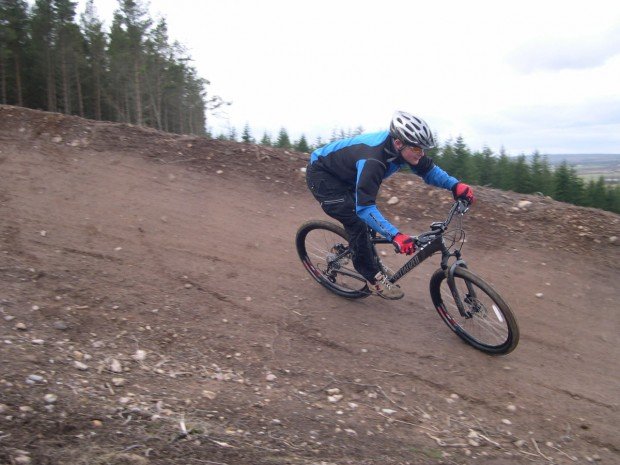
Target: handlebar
{"x":459,"y":207}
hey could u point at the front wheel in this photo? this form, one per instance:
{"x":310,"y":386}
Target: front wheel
{"x":486,"y":323}
{"x":323,"y":248}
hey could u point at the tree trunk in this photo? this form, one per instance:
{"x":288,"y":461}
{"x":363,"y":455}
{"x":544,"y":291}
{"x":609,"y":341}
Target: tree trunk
{"x":2,"y":76}
{"x":127,"y":115}
{"x":155,"y":110}
{"x":18,"y":81}
{"x":78,"y":83}
{"x":51,"y":82}
{"x":66,"y":85}
{"x":190,"y":120}
{"x":155,"y":99}
{"x":97,"y":78}
{"x":181,"y":125}
{"x":138,"y":98}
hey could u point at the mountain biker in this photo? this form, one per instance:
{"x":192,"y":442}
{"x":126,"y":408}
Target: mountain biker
{"x":344,"y":177}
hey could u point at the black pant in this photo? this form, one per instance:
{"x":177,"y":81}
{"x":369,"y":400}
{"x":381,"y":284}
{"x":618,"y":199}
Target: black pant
{"x":337,"y":199}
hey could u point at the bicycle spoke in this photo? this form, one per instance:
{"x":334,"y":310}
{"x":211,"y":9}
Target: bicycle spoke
{"x":326,"y":251}
{"x":484,"y":322}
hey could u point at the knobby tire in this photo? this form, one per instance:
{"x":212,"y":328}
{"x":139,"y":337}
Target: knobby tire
{"x":314,"y":241}
{"x":491,"y":327}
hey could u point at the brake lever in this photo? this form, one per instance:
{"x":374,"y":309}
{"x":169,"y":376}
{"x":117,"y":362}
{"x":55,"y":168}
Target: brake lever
{"x":463,"y":207}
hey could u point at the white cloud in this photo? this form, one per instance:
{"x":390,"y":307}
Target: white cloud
{"x":573,"y":52}
{"x":570,"y":128}
{"x":313,"y":66}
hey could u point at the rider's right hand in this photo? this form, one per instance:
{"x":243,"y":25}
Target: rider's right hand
{"x":462,"y":191}
{"x":403,"y":244}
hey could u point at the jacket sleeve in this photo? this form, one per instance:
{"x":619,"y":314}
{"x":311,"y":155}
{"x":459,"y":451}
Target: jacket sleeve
{"x":439,"y":178}
{"x":369,"y":177}
{"x":433,"y":174}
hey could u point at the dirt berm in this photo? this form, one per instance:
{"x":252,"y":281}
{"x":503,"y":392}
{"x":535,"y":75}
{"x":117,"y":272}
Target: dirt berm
{"x":153,"y":311}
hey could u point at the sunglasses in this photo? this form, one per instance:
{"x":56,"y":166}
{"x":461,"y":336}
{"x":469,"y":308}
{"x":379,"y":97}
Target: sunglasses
{"x":415,"y":148}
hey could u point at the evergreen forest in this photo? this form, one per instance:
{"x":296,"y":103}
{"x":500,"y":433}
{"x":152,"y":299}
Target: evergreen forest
{"x":52,"y":60}
{"x":526,"y":175}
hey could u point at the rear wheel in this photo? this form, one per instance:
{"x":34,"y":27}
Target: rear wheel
{"x":323,"y":248}
{"x":487,"y":324}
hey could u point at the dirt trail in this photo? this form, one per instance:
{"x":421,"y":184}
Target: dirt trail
{"x":149,"y":286}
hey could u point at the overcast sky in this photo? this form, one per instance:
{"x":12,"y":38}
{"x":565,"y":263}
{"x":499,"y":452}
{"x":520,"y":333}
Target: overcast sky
{"x":526,"y":75}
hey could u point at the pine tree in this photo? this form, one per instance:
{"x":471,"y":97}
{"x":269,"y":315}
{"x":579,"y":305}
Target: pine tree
{"x":613,"y":199}
{"x":562,"y":183}
{"x":522,"y":180}
{"x":541,"y":174}
{"x":246,"y":136}
{"x":462,"y":161}
{"x":448,"y":157}
{"x":283,"y":142}
{"x":96,"y":59}
{"x":156,"y":59}
{"x":302,"y":145}
{"x":43,"y":72}
{"x":595,"y":194}
{"x":194,"y":103}
{"x":118,"y":76}
{"x":136,"y":26}
{"x":504,"y":178}
{"x":486,"y":167}
{"x":546,"y":177}
{"x":129,"y":30}
{"x":266,"y":140}
{"x":577,"y":188}
{"x":70,"y":54}
{"x":13,"y":43}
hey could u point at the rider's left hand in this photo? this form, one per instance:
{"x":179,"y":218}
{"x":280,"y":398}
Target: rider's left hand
{"x":464,"y":192}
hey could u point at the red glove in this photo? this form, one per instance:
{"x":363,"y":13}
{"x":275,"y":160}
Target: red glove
{"x":403,"y":244}
{"x":462,"y":191}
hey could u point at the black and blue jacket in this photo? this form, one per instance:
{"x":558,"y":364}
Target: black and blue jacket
{"x":363,"y":162}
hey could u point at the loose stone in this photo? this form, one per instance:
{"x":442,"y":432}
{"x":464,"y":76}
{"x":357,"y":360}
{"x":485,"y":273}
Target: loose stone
{"x":118,"y":382}
{"x":80,"y":366}
{"x":115,"y":366}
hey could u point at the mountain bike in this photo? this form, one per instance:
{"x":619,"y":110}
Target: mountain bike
{"x":465,"y":302}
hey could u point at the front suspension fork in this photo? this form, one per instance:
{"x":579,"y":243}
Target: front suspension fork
{"x":450,"y":270}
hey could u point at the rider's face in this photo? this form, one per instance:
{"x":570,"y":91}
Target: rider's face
{"x":411,"y":154}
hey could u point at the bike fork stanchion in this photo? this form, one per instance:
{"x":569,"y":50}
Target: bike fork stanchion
{"x":454,"y":290}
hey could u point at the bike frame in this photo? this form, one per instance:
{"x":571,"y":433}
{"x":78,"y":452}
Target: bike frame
{"x":424,"y":252}
{"x":428,"y":244}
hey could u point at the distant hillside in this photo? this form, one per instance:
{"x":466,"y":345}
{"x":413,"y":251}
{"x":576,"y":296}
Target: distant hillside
{"x":585,"y":159}
{"x":591,"y":166}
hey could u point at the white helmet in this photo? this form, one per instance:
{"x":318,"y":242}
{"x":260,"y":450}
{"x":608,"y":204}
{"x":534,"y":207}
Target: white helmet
{"x":411,"y":130}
